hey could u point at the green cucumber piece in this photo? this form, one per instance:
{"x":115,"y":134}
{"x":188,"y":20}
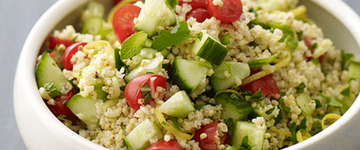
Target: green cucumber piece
{"x":188,"y":74}
{"x":84,"y":108}
{"x":49,"y":75}
{"x":154,"y":67}
{"x":354,"y":70}
{"x":179,"y":105}
{"x":254,"y":132}
{"x":210,"y":49}
{"x":154,"y":15}
{"x":235,"y":70}
{"x":93,"y":25}
{"x":95,"y":9}
{"x":138,"y":138}
{"x":304,"y":100}
{"x":236,"y":109}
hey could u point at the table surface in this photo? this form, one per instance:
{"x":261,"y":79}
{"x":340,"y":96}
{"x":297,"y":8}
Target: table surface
{"x":21,"y":16}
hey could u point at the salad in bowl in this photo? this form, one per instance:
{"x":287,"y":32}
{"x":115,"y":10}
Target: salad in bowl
{"x":196,"y":74}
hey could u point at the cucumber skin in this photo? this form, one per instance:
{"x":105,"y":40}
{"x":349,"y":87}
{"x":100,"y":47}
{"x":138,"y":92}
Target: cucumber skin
{"x":235,"y":110}
{"x":47,"y":71}
{"x":214,"y":59}
{"x":179,"y":80}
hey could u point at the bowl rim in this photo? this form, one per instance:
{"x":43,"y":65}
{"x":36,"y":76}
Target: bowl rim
{"x":26,"y":66}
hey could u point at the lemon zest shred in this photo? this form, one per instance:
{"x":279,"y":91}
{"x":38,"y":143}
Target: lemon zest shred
{"x":263,"y":73}
{"x":329,"y":116}
{"x":104,"y":45}
{"x":302,"y":135}
{"x":170,"y":128}
{"x":283,"y":132}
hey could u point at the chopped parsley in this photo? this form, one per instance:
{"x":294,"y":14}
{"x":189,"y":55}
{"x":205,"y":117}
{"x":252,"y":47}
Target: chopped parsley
{"x":245,"y":144}
{"x":300,"y":88}
{"x":283,"y":106}
{"x":345,"y":59}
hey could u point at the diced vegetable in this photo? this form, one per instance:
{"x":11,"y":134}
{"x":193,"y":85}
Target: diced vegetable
{"x":209,"y":49}
{"x":233,"y":107}
{"x":179,"y":105}
{"x":255,"y":134}
{"x":306,"y":104}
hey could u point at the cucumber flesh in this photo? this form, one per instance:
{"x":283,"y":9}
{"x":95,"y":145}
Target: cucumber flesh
{"x":84,"y":108}
{"x":138,"y":138}
{"x":210,"y":49}
{"x":179,"y":105}
{"x":354,"y":70}
{"x":154,"y":15}
{"x":304,"y":100}
{"x":154,"y":67}
{"x":254,"y":132}
{"x":188,"y":74}
{"x":93,"y":26}
{"x":235,"y":70}
{"x":47,"y":74}
{"x":235,"y":109}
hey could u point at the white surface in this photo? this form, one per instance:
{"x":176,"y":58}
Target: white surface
{"x":18,"y":17}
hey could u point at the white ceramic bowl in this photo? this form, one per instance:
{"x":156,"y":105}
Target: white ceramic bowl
{"x":42,"y":130}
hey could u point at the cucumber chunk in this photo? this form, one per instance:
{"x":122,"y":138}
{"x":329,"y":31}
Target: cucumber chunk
{"x":229,"y":74}
{"x":306,"y":104}
{"x":236,"y":109}
{"x":209,"y":49}
{"x":138,"y":138}
{"x":84,"y":108}
{"x":93,"y":25}
{"x":188,"y":74}
{"x":254,"y":132}
{"x":154,"y":16}
{"x":354,"y":70}
{"x":179,"y":105}
{"x":154,"y":66}
{"x":49,"y":75}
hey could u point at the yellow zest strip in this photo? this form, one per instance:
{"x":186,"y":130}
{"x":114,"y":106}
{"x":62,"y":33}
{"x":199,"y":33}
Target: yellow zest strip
{"x":98,"y":44}
{"x":302,"y":135}
{"x":264,"y":73}
{"x":299,"y":11}
{"x":283,"y":132}
{"x":112,"y":11}
{"x":229,"y":91}
{"x":170,"y":128}
{"x":329,"y":116}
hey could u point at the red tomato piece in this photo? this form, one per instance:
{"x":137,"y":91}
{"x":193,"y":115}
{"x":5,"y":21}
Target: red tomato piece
{"x":308,"y":44}
{"x":230,"y":11}
{"x":116,"y":2}
{"x":195,"y":3}
{"x":163,"y":145}
{"x":208,"y":143}
{"x":54,"y":55}
{"x":133,"y":92}
{"x":69,"y":53}
{"x":53,"y":41}
{"x":123,"y":21}
{"x":60,"y":108}
{"x":267,"y":86}
{"x":200,"y":14}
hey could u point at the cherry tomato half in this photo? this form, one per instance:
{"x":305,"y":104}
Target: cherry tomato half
{"x":200,"y":14}
{"x":123,"y":21}
{"x":267,"y":86}
{"x":60,"y":108}
{"x":208,"y":143}
{"x":69,"y":53}
{"x":230,"y":10}
{"x":133,"y":91}
{"x":195,"y":3}
{"x":52,"y":42}
{"x":163,"y":145}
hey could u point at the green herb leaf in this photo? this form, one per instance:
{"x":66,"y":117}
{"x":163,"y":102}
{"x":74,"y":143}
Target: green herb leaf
{"x":346,"y":91}
{"x":261,"y":62}
{"x":313,"y":46}
{"x":318,"y":103}
{"x":169,"y":38}
{"x":293,"y":130}
{"x":198,"y":106}
{"x":171,"y":3}
{"x":279,"y":117}
{"x":332,"y":101}
{"x":300,"y":35}
{"x":176,"y":123}
{"x":133,"y":45}
{"x":345,"y":59}
{"x":283,"y":106}
{"x":256,"y":96}
{"x":316,"y":128}
{"x":254,"y":22}
{"x":300,"y":88}
{"x":302,"y":124}
{"x":268,"y":112}
{"x":118,"y":62}
{"x":245,"y":144}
